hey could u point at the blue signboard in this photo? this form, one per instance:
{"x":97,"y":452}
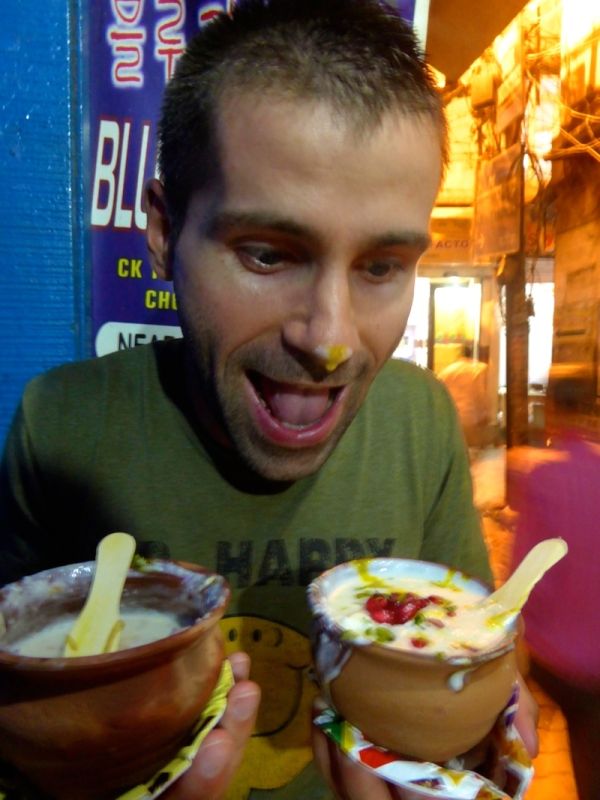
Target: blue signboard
{"x":134,"y":46}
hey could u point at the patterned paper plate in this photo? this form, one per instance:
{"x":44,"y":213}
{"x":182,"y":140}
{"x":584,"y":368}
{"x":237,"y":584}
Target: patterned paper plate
{"x":508,"y":763}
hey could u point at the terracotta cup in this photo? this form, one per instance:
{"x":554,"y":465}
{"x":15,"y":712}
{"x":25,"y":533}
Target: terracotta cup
{"x":418,"y":705}
{"x":92,"y":727}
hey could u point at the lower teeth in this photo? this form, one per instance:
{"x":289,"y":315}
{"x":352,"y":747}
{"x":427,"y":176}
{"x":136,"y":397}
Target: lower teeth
{"x":292,"y":425}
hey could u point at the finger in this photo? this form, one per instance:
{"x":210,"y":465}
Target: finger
{"x":526,"y":719}
{"x":240,"y":664}
{"x":240,"y":715}
{"x":221,"y":752}
{"x":347,"y":779}
{"x":208,"y":777}
{"x":323,"y":759}
{"x":237,"y":723}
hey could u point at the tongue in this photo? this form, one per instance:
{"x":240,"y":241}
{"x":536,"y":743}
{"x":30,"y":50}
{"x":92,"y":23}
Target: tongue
{"x":292,"y":405}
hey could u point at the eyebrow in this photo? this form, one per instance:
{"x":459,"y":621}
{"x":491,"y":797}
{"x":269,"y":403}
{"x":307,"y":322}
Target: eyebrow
{"x":409,"y":238}
{"x":230,"y":220}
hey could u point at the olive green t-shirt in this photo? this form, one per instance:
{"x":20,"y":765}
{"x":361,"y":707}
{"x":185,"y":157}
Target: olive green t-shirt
{"x":109,"y":444}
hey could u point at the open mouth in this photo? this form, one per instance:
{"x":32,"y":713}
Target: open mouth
{"x":294,"y":416}
{"x":294,"y":407}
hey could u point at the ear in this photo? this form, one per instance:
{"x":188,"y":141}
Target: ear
{"x":158,"y":230}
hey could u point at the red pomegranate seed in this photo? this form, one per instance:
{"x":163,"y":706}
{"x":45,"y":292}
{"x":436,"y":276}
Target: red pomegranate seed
{"x":409,"y":609}
{"x":382,"y":615}
{"x":435,"y":598}
{"x":393,"y":610}
{"x":375,"y":602}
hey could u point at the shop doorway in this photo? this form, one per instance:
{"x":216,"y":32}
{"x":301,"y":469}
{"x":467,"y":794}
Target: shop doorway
{"x":450,"y":310}
{"x":454,"y":320}
{"x":446,"y":313}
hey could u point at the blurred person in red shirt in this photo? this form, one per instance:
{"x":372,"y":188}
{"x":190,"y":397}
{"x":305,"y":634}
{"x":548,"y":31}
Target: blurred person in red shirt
{"x":558,"y":496}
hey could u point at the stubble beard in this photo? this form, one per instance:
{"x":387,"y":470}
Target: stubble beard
{"x":221,"y":407}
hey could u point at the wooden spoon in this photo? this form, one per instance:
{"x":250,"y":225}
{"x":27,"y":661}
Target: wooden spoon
{"x":513,"y":594}
{"x":98,"y":627}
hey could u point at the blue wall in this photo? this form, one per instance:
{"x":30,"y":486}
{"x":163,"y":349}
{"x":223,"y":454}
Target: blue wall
{"x":43,"y":317}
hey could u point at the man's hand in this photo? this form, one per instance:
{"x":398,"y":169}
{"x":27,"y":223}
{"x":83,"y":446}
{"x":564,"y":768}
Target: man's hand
{"x":526,"y":719}
{"x":222,"y":750}
{"x":348,"y":780}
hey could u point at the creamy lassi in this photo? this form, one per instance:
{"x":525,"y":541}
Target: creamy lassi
{"x":440,"y":617}
{"x":141,"y":626}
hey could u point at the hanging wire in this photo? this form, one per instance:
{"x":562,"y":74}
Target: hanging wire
{"x":580,"y":147}
{"x":579,"y":114}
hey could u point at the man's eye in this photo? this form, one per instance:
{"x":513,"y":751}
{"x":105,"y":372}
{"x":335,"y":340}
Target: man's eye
{"x":262,"y":258}
{"x":380,"y":270}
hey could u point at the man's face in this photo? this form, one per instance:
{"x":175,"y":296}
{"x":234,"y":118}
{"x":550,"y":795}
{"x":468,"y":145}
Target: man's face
{"x":311,"y":242}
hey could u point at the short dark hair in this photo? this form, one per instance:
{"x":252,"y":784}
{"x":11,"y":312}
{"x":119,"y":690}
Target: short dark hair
{"x":357,"y":55}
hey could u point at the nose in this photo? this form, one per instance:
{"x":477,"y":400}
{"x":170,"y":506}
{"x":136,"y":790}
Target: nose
{"x":324,"y":325}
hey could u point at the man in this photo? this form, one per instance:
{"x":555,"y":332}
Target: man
{"x":302,"y":144}
{"x":467,"y":381}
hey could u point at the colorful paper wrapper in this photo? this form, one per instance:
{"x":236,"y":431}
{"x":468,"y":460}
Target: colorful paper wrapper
{"x":12,"y":789}
{"x":506,"y":774}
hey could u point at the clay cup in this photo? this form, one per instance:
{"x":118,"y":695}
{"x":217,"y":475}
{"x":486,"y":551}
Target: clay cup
{"x":417,"y":705}
{"x":95,"y":726}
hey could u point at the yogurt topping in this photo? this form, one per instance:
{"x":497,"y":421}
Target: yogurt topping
{"x":141,"y":627}
{"x":435,"y":617}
